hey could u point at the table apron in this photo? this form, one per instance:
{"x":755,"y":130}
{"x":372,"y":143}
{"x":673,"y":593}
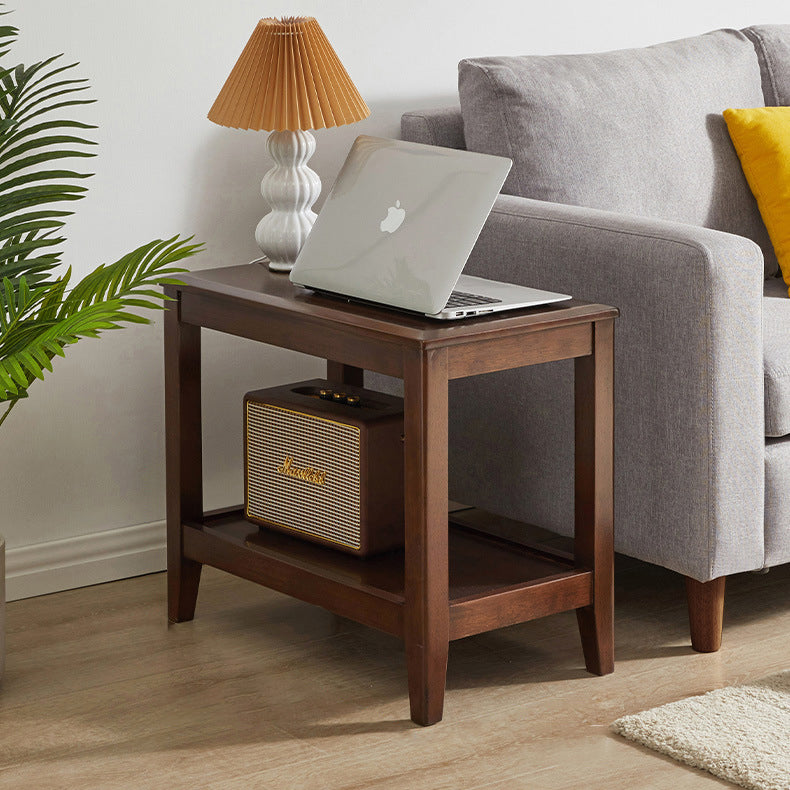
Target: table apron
{"x":515,"y":351}
{"x":361,"y":349}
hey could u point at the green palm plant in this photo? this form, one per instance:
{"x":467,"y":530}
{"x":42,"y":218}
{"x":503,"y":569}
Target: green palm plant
{"x":40,"y":312}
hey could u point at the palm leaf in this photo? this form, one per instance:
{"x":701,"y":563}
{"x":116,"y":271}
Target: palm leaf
{"x":37,"y":323}
{"x":8,"y":34}
{"x":34,"y":220}
{"x":18,"y":305}
{"x":17,"y":249}
{"x":20,"y":163}
{"x":32,"y":86}
{"x":39,"y":316}
{"x":35,"y":270}
{"x":132,"y":276}
{"x":14,"y":133}
{"x":19,"y":368}
{"x":33,"y":143}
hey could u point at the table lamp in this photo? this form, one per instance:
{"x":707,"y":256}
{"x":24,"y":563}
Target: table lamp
{"x":288,"y":80}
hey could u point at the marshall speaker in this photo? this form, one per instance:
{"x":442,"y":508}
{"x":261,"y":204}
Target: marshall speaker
{"x":325,"y":462}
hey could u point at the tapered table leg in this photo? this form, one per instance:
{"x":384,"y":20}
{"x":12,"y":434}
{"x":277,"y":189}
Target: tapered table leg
{"x":594,"y":527}
{"x":184,"y":457}
{"x":427,"y":626}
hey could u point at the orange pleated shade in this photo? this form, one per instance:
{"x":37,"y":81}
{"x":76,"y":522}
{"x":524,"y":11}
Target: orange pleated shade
{"x":288,"y":77}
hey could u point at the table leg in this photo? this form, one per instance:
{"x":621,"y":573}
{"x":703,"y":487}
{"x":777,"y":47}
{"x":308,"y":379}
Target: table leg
{"x":184,"y":458}
{"x":345,"y":374}
{"x":594,"y":529}
{"x":427,"y":627}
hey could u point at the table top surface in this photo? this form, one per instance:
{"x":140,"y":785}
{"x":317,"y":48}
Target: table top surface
{"x":255,"y":285}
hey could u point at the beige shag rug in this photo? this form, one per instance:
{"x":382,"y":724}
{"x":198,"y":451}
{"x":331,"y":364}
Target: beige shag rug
{"x":740,"y":733}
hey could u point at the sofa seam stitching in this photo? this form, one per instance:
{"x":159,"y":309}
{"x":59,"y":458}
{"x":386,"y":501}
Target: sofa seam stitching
{"x":505,"y":118}
{"x":768,"y":407}
{"x":768,"y":64}
{"x":706,"y":276}
{"x":690,"y":244}
{"x":431,"y":129}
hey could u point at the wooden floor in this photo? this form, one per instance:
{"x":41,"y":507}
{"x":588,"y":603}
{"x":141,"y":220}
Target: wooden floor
{"x":261,"y":691}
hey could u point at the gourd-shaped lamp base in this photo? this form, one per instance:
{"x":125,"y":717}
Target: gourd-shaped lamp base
{"x":291,"y":188}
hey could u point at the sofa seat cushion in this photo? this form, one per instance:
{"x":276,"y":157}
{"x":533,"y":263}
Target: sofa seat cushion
{"x":777,"y":502}
{"x":776,"y":358}
{"x":637,"y":131}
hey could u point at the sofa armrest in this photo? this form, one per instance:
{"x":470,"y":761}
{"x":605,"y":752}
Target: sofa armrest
{"x":689,"y":385}
{"x":437,"y":126}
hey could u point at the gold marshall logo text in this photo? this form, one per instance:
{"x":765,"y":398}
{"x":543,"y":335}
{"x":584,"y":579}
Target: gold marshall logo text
{"x":306,"y":473}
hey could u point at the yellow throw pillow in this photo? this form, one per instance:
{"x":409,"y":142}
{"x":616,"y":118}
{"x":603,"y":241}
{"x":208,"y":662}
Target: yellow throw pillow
{"x":761,"y":137}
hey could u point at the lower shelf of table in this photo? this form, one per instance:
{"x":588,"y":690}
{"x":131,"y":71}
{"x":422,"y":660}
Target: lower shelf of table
{"x":492,"y":582}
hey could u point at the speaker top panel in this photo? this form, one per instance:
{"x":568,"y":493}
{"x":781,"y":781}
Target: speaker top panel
{"x":337,"y":401}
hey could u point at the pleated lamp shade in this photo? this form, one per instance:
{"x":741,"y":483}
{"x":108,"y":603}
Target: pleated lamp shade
{"x":288,"y":78}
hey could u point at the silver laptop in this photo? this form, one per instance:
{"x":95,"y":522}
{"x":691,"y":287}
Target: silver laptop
{"x":398,"y":226}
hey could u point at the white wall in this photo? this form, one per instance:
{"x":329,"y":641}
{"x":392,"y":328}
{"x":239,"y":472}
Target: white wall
{"x":84,"y":456}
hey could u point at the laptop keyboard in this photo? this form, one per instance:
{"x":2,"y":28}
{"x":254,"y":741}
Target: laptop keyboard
{"x":461,"y":299}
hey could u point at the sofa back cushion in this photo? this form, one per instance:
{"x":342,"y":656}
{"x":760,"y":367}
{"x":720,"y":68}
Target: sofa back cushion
{"x":772,"y":43}
{"x":638,"y":131}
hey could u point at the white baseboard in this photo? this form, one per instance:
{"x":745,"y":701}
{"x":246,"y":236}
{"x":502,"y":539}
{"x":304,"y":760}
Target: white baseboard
{"x":87,"y":559}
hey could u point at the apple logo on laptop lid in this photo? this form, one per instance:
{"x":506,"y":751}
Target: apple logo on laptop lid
{"x":394,"y":218}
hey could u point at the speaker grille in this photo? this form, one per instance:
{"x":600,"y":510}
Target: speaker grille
{"x":275,"y":491}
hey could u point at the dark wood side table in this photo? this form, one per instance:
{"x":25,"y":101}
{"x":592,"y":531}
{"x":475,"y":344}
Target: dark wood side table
{"x":449,"y":582}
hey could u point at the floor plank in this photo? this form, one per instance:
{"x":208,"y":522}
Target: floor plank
{"x":262,"y":691}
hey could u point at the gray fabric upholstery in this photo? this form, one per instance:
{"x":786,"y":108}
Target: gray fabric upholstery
{"x":443,"y":126}
{"x":776,"y":359}
{"x":775,"y":288}
{"x":772,"y":43}
{"x":688,"y":398}
{"x":698,"y":488}
{"x":637,"y":131}
{"x":777,"y":501}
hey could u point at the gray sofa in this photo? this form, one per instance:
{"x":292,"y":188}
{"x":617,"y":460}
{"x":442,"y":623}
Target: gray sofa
{"x":626,"y":190}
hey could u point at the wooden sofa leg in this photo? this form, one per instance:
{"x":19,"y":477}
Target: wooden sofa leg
{"x":706,"y":613}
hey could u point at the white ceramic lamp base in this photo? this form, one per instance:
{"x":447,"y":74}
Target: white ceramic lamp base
{"x":291,"y":188}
